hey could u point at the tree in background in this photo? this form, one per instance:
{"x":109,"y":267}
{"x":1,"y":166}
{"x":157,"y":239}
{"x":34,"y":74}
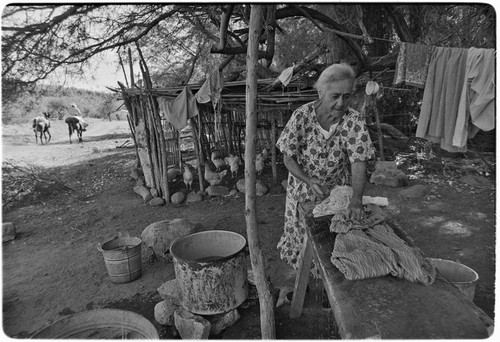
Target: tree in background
{"x":38,"y":39}
{"x":56,"y":105}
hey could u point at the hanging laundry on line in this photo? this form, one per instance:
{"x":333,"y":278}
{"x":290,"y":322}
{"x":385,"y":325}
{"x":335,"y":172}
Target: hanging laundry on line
{"x":476,"y":110}
{"x":412,"y":64}
{"x":459,"y":82}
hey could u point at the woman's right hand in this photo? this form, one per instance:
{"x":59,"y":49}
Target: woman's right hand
{"x":319,"y":190}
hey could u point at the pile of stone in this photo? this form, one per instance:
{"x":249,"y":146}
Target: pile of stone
{"x":150,"y":196}
{"x":170,"y":312}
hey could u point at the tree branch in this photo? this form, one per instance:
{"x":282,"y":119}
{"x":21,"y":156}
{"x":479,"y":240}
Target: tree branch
{"x":224,"y":24}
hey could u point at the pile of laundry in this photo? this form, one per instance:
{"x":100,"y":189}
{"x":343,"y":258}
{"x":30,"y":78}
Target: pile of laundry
{"x":369,"y":248}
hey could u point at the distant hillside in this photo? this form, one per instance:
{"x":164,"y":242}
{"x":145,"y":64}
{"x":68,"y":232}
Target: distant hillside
{"x":57,"y":100}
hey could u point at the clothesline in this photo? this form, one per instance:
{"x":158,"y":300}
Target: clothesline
{"x":355,"y":36}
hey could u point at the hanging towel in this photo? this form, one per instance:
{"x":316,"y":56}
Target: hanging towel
{"x":477,"y":101}
{"x":443,"y":88}
{"x":286,"y":76}
{"x":179,"y":110}
{"x":412,"y":64}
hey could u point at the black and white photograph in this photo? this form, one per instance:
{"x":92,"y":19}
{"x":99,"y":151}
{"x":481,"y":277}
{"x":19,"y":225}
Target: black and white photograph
{"x":242,"y":171}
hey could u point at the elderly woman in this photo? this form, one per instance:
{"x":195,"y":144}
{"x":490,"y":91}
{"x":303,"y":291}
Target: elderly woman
{"x":325,"y":143}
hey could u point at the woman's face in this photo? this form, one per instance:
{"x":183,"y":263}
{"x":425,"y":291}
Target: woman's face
{"x":335,"y":96}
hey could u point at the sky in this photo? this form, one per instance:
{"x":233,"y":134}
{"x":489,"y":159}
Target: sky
{"x":101,"y":74}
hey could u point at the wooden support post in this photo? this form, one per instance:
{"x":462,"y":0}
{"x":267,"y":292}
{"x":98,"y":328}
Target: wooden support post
{"x":267,"y":322}
{"x":197,"y":149}
{"x":273,"y":150}
{"x":304,"y":269}
{"x":379,"y":131}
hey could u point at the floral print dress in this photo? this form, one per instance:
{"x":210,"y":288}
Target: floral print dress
{"x":327,"y":159}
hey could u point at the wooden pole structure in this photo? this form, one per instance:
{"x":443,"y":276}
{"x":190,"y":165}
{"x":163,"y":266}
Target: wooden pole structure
{"x":267,"y":323}
{"x":273,"y":149}
{"x":379,"y":130}
{"x":197,"y":151}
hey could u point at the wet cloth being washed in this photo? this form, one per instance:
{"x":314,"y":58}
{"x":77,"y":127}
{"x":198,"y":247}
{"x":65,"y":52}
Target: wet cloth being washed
{"x":370,"y":248}
{"x":367,"y":252}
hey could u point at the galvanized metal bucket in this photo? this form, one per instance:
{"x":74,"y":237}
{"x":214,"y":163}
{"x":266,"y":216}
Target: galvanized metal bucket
{"x":122,"y":256}
{"x":100,"y":324}
{"x":463,"y":277}
{"x":211,"y":271}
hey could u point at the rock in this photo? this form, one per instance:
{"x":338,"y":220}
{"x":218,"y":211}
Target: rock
{"x":415,"y":191}
{"x":159,"y":235}
{"x":191,"y":326}
{"x":217,"y":190}
{"x":284,"y":184}
{"x":153,"y":192}
{"x":164,"y":312}
{"x":169,"y":291}
{"x":475,"y":180}
{"x":223,"y":321}
{"x":233,"y":192}
{"x":193,"y":197}
{"x":143,"y":192}
{"x":156,"y":202}
{"x":8,"y":231}
{"x":240,"y":185}
{"x":202,"y":193}
{"x":260,"y":188}
{"x":178,"y":197}
{"x":387,"y":174}
{"x":173,"y":173}
{"x":455,"y":228}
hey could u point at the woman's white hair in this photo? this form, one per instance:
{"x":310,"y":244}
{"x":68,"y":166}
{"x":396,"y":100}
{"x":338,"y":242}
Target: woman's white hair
{"x":335,"y":72}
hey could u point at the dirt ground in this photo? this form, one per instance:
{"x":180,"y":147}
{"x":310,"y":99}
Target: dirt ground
{"x":53,"y":268}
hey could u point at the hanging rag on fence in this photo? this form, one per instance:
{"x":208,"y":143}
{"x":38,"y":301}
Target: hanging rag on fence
{"x":179,"y":110}
{"x":477,"y":102}
{"x":443,"y":88}
{"x":412,"y":64}
{"x":286,"y":76}
{"x":211,"y":90}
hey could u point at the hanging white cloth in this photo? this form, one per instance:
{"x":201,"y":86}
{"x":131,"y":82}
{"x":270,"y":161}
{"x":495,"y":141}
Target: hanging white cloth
{"x":477,"y":101}
{"x":286,"y":76}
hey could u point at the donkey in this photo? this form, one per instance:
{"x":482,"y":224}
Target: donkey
{"x":75,"y":124}
{"x":41,"y":124}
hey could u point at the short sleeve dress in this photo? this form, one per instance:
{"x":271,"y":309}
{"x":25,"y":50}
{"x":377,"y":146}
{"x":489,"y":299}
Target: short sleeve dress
{"x":327,"y":159}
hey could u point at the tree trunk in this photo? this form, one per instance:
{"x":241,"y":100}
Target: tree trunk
{"x":267,"y":323}
{"x":273,"y":149}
